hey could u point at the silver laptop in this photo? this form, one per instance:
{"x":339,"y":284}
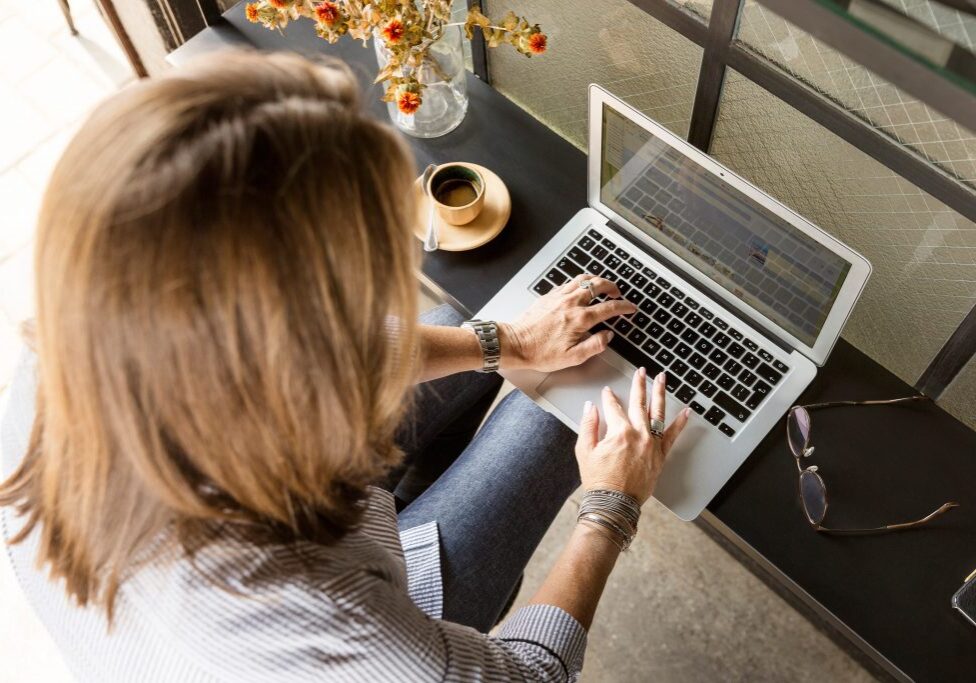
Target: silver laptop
{"x":740,"y":299}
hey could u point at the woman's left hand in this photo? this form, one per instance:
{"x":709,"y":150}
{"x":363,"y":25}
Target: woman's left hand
{"x":554,"y":332}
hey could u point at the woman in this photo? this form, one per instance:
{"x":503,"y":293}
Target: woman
{"x":225,"y":353}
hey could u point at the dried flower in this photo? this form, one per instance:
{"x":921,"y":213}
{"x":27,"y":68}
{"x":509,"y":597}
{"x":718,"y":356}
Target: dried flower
{"x":278,"y":4}
{"x":327,"y":13}
{"x":393,"y":32}
{"x":537,"y":43}
{"x":408,"y":102}
{"x":251,"y":11}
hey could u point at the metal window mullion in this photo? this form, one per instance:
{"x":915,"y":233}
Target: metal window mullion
{"x":711,"y":75}
{"x":479,"y":49}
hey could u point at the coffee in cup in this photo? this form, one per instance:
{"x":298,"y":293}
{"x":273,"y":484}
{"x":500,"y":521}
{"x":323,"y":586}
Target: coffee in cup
{"x":458,"y":193}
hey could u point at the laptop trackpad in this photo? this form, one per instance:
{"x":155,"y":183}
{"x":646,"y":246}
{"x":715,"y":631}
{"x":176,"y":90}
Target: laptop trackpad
{"x":569,"y":389}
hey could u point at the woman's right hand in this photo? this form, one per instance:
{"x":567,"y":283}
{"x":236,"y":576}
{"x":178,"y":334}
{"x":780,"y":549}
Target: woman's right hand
{"x":629,"y":458}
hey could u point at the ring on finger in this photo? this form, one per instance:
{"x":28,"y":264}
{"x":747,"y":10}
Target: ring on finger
{"x":655,"y":427}
{"x":588,"y":286}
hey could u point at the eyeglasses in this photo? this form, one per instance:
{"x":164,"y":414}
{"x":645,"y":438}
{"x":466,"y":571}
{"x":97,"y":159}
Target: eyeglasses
{"x":813,"y":492}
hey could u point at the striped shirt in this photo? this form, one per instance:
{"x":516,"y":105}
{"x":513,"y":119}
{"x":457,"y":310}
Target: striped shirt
{"x":365,"y":609}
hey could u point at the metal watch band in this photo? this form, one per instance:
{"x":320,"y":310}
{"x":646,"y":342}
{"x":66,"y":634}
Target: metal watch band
{"x":487,"y":333}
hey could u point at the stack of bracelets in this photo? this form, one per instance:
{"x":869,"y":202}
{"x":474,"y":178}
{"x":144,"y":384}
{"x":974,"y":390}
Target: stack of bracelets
{"x":613,"y":513}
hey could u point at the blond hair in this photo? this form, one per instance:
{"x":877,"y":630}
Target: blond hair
{"x":220,"y":254}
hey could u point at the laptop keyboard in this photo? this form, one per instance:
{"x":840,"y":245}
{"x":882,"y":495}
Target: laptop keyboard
{"x":711,"y":366}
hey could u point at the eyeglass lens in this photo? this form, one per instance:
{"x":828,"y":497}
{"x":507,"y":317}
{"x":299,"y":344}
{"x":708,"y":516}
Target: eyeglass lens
{"x":814,"y":496}
{"x":798,"y":429}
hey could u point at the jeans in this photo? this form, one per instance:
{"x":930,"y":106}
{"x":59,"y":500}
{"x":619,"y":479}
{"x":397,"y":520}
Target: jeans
{"x":493,"y":493}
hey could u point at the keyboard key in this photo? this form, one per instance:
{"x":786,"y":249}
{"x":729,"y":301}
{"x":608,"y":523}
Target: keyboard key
{"x":542,"y":287}
{"x":639,"y":280}
{"x":635,"y":263}
{"x":732,"y":367}
{"x":613,"y":262}
{"x":569,"y":266}
{"x":619,"y":251}
{"x":676,"y":326}
{"x":782,"y":367}
{"x":682,"y":350}
{"x":768,"y":374}
{"x":685,"y":394}
{"x":679,"y":309}
{"x":735,"y":350}
{"x":673,"y":383}
{"x":665,"y":356}
{"x":640,"y":320}
{"x":689,"y":336}
{"x":678,"y":367}
{"x":697,"y":361}
{"x":609,"y":245}
{"x":648,"y":306}
{"x":735,"y":334}
{"x":691,"y":303}
{"x":707,"y":329}
{"x":664,"y":283}
{"x":754,"y":400}
{"x":747,"y":378}
{"x":725,"y":381}
{"x":626,"y":272}
{"x":749,"y":344}
{"x":697,"y":407}
{"x":665,"y":300}
{"x":720,"y":324}
{"x":740,"y":393}
{"x":762,"y":388}
{"x":708,"y":389}
{"x":634,"y":297}
{"x":648,"y":272}
{"x":596,"y":268}
{"x":765,"y":355}
{"x":635,"y":356}
{"x":725,"y":429}
{"x":651,"y":346}
{"x":693,"y":378}
{"x":693,"y":319}
{"x":663,"y":317}
{"x":655,"y":330}
{"x":677,"y":294}
{"x":594,"y":234}
{"x":579,"y":256}
{"x":557,"y":276}
{"x":704,"y":346}
{"x":750,"y":361}
{"x":730,"y":405}
{"x":718,"y":356}
{"x":621,"y":325}
{"x":711,"y":371}
{"x":721,"y":340}
{"x":714,"y":415}
{"x":668,"y":340}
{"x":637,"y":336}
{"x":652,"y":290}
{"x":707,"y":315}
{"x":600,"y":252}
{"x":587,"y":244}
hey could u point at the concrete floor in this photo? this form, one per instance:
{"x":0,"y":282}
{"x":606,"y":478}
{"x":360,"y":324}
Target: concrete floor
{"x":677,"y":608}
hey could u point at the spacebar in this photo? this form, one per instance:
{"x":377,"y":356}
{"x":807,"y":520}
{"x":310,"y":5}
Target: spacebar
{"x":634,"y":355}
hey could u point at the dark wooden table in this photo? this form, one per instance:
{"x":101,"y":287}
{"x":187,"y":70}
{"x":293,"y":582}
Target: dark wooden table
{"x":888,"y":594}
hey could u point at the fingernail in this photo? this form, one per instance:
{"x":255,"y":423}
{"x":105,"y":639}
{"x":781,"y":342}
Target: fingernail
{"x":660,"y":377}
{"x":587,"y":407}
{"x":606,"y":388}
{"x":643,"y":372}
{"x":687,"y":411}
{"x":610,"y":336}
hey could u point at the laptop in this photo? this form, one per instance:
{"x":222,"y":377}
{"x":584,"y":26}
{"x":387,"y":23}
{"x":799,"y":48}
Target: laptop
{"x":739,"y":298}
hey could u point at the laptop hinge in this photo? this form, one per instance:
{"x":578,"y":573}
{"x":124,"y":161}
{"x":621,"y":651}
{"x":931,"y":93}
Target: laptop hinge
{"x":685,"y":273}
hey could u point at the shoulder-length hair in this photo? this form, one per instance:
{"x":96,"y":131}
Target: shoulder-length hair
{"x":226,"y":298}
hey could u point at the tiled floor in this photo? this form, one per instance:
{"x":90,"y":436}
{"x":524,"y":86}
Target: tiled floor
{"x":677,"y":607}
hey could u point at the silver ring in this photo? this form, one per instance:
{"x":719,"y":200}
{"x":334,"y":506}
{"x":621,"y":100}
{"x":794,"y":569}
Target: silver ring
{"x":588,"y":286}
{"x":656,"y":427}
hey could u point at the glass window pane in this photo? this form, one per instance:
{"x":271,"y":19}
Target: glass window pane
{"x":951,"y":23}
{"x":614,"y":44}
{"x":924,"y":254}
{"x":960,"y":396}
{"x":860,"y":91}
{"x":459,"y":12}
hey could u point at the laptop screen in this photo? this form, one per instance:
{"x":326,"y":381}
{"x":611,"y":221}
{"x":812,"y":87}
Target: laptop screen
{"x":740,"y":244}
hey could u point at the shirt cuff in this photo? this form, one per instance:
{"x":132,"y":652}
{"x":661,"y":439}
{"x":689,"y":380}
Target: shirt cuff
{"x":551,"y":628}
{"x":422,"y":553}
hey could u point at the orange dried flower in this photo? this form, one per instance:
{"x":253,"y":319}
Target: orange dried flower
{"x":251,"y":11}
{"x":393,"y":32}
{"x":408,"y":102}
{"x":327,"y":13}
{"x":537,"y":43}
{"x":278,"y":4}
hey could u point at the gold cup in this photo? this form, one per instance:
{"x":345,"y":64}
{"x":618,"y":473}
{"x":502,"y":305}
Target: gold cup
{"x":458,"y":193}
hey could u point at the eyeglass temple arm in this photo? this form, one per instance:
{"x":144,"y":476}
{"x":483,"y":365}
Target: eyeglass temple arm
{"x":833,"y":404}
{"x":945,"y":507}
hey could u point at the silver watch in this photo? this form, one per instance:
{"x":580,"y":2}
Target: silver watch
{"x":487,"y":333}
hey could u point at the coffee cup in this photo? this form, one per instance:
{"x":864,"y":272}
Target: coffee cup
{"x":458,"y":193}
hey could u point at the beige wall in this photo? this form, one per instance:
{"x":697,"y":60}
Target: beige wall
{"x":924,"y":254}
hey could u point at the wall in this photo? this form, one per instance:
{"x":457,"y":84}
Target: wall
{"x":924,"y":254}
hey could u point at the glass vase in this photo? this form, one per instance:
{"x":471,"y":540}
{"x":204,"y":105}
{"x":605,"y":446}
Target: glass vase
{"x":445,"y":97}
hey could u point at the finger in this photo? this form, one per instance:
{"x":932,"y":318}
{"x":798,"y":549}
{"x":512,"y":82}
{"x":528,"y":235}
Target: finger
{"x":674,"y":429}
{"x":592,"y":345}
{"x":601,"y":287}
{"x":589,"y":426}
{"x":657,"y":397}
{"x":637,"y":409}
{"x":598,"y":313}
{"x":614,"y":412}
